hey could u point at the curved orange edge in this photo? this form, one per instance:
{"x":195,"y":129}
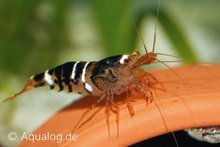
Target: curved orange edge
{"x":195,"y":103}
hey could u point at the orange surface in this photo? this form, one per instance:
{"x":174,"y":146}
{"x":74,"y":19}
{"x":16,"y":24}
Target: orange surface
{"x":192,"y":101}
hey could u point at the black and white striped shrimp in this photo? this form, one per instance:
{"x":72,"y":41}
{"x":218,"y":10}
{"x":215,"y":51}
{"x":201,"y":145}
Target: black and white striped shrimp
{"x":108,"y":76}
{"x":105,"y":78}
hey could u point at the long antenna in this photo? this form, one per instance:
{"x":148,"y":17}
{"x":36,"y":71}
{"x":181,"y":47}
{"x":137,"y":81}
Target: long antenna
{"x":142,"y":40}
{"x":155,"y":29}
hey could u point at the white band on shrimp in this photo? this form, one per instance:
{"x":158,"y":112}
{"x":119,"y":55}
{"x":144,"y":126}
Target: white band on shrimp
{"x":48,"y":78}
{"x":123,"y":58}
{"x":88,"y":87}
{"x":84,"y":72}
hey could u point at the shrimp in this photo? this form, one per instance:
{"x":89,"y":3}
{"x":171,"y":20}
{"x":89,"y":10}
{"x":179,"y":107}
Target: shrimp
{"x":106,"y":78}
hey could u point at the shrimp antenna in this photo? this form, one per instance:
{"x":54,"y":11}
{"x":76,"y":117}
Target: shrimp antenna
{"x":155,"y":29}
{"x":142,"y":40}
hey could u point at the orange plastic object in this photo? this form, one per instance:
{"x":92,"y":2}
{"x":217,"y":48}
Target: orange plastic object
{"x":191,"y":99}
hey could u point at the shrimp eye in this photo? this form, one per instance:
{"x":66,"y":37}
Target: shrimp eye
{"x":126,"y":60}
